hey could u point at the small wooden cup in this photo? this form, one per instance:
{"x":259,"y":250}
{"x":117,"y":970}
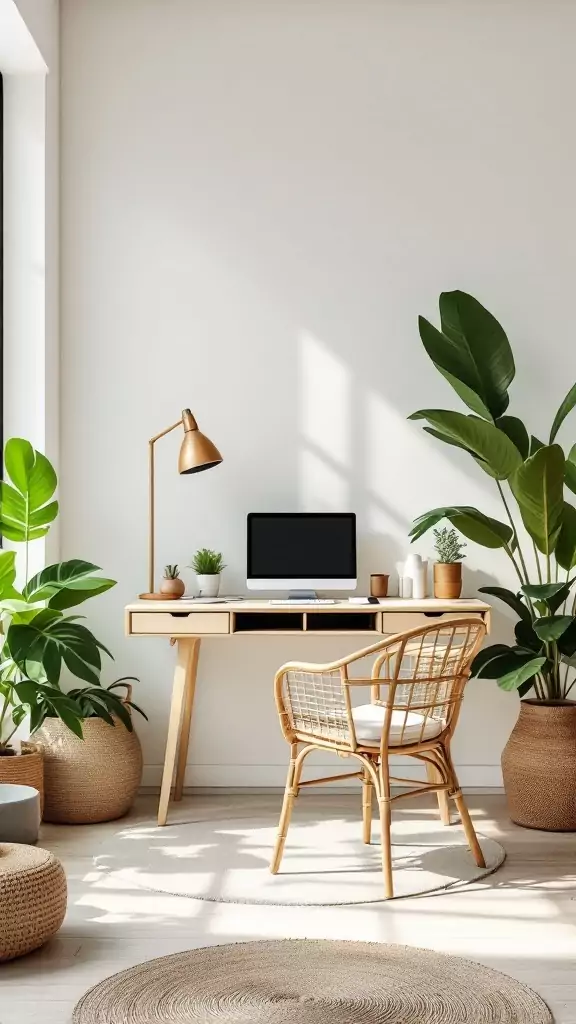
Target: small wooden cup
{"x":379,"y":585}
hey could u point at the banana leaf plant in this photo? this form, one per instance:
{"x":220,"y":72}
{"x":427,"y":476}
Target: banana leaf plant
{"x":38,"y":637}
{"x":538,"y":530}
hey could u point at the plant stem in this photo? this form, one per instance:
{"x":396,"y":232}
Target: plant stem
{"x":515,"y":535}
{"x":514,"y":563}
{"x":537,"y":560}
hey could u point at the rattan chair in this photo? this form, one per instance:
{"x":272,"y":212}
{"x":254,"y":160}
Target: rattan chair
{"x":416,"y":690}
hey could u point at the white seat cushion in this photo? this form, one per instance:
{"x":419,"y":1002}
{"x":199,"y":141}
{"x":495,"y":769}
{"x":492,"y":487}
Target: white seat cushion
{"x":404,"y":728}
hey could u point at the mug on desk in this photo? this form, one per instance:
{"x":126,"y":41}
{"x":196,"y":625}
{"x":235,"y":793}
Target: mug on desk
{"x":378,"y":585}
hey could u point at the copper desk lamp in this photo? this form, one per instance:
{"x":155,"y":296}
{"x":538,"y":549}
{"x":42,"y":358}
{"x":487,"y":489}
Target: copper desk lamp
{"x":196,"y":453}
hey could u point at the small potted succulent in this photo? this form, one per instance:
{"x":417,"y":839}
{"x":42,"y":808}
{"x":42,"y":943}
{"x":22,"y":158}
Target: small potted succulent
{"x":208,"y":566}
{"x":448,"y":564}
{"x":172,"y":586}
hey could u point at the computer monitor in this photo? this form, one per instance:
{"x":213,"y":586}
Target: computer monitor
{"x":301,"y":551}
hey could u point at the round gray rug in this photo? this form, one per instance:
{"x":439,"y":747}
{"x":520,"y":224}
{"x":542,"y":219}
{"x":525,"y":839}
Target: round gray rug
{"x":299,"y":981}
{"x":325,"y":862}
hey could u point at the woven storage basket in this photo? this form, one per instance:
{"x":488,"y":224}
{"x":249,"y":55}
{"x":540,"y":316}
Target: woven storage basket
{"x":25,"y":769}
{"x":539,"y":767}
{"x":91,"y":779}
{"x":32,"y":898}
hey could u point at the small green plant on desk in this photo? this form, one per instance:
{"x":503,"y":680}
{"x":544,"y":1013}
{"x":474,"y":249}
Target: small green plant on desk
{"x":448,"y":546}
{"x":208,"y":566}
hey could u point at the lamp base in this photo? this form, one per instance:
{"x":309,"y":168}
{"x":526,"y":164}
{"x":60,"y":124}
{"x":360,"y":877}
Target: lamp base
{"x":158,"y":597}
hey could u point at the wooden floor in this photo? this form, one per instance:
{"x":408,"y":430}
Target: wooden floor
{"x":522,"y":920}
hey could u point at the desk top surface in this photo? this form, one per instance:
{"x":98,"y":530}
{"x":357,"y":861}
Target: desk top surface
{"x":386,"y":604}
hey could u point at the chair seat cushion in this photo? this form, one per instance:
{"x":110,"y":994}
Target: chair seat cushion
{"x":405,"y":727}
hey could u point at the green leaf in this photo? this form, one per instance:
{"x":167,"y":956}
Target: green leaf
{"x":506,"y":664}
{"x":542,"y":591}
{"x":24,"y":512}
{"x":447,"y":440}
{"x":472,"y":523}
{"x":496,"y":453}
{"x":526,"y":637}
{"x":516,"y":431}
{"x":486,"y":655}
{"x":570,"y":469}
{"x":551,"y":627}
{"x":513,"y":601}
{"x":535,"y":444}
{"x":454,"y":364}
{"x":566,"y":406}
{"x":538,"y":486}
{"x":567,"y":642}
{"x":512,"y":680}
{"x":565,"y":551}
{"x":7,"y":572}
{"x":524,"y":688}
{"x":67,"y":584}
{"x":485,"y":363}
{"x":48,"y":641}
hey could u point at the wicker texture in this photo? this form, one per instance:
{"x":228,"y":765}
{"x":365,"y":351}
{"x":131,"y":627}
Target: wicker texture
{"x":416,"y":686}
{"x":32,"y":898}
{"x":26,"y":769}
{"x":301,"y":981}
{"x":539,"y":767}
{"x":93,"y":779}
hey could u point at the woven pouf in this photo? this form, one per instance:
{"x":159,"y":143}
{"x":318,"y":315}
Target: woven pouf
{"x":300,"y":981}
{"x":32,"y":898}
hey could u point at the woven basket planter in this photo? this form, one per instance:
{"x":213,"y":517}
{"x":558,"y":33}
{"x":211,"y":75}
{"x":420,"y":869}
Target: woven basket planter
{"x":25,"y":769}
{"x":91,"y":779}
{"x":539,"y":767}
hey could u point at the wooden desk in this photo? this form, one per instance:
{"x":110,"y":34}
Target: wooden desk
{"x":186,"y":622}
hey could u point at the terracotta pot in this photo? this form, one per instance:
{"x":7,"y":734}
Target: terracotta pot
{"x":447,"y":580}
{"x":379,"y":585}
{"x":25,"y":769}
{"x":539,"y":766}
{"x":173,"y":588}
{"x":91,"y":779}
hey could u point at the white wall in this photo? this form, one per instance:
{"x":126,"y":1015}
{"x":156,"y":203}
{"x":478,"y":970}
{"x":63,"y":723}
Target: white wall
{"x":258,"y":200}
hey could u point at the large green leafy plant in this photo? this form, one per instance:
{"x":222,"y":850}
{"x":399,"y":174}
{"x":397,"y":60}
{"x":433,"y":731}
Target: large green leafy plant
{"x":538,"y":533}
{"x":39,"y":638}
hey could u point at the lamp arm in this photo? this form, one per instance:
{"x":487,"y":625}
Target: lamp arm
{"x":151,"y":501}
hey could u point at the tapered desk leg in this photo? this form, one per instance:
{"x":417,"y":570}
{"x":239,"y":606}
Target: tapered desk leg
{"x":184,"y":738}
{"x":180,"y":711}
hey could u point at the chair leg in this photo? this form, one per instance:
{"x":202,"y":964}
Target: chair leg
{"x":443,"y":803}
{"x":470,"y":833}
{"x":456,"y":794}
{"x":366,"y":807}
{"x":290,"y":792}
{"x":385,"y":809}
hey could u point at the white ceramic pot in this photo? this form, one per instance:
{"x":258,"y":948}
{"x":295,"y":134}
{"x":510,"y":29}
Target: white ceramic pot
{"x":208,"y":586}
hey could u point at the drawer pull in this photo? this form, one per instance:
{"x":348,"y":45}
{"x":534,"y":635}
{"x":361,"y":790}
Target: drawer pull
{"x":433,"y":615}
{"x":179,"y":615}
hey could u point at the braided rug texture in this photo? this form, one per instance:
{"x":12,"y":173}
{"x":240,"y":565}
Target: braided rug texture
{"x":303,"y":981}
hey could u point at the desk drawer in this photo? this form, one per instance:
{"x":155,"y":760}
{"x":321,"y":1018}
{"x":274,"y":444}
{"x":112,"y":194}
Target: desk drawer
{"x":178,"y":624}
{"x":401,"y":622}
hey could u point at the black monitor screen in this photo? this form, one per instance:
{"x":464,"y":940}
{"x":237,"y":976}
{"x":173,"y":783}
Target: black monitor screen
{"x":301,"y":546}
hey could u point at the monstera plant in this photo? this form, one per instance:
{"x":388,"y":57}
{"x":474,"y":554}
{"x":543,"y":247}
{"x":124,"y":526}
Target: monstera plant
{"x":537,"y":532}
{"x":39,"y":636}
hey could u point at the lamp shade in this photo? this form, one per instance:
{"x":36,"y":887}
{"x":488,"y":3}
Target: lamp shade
{"x":196,"y":451}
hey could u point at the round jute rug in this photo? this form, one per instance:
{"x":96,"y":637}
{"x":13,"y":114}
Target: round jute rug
{"x":300,"y":981}
{"x":325,"y":862}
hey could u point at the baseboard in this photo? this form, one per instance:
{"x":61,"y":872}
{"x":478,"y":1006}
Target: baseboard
{"x":266,"y":778}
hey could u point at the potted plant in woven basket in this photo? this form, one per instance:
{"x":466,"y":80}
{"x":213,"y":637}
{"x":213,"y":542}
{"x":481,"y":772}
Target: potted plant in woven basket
{"x":39,"y":637}
{"x":538,"y":537}
{"x":94,"y":777}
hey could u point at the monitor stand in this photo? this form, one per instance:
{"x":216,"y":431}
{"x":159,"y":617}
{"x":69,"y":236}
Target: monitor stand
{"x":302,"y":595}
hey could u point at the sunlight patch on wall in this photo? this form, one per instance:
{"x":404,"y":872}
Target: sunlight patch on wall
{"x":325,"y":399}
